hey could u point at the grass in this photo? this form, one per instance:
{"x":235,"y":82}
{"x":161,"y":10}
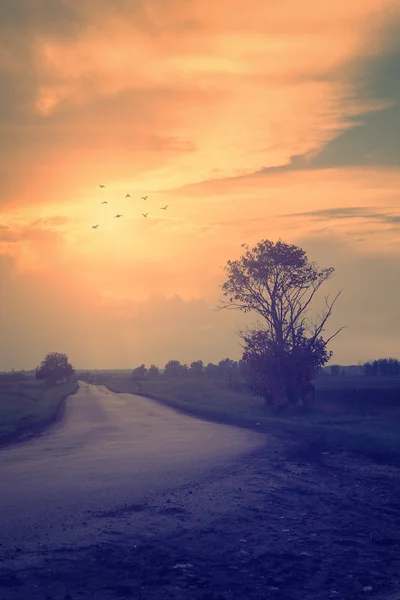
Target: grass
{"x":366,"y":422}
{"x":28,"y":406}
{"x":360,"y":426}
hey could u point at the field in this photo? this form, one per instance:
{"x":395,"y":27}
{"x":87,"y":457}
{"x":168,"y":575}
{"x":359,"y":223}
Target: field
{"x":292,"y":520}
{"x":353,"y":414}
{"x":28,"y":405}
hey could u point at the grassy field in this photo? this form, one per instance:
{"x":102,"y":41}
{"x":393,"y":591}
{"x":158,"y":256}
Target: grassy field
{"x":364,"y":421}
{"x":27,"y":406}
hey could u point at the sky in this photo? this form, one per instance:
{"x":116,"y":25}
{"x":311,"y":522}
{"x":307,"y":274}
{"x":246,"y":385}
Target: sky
{"x":250,"y":120}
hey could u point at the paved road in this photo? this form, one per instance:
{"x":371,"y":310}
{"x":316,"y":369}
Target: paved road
{"x":110,"y":451}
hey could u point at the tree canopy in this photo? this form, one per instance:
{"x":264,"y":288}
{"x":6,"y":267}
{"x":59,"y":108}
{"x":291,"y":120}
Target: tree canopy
{"x":55,"y":367}
{"x":139,"y":373}
{"x":385,"y":367}
{"x":278,"y":282}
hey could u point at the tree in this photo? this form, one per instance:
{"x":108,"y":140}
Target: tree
{"x":335,"y":370}
{"x":196,"y":368}
{"x":173,"y":368}
{"x":369,"y":369}
{"x":210,"y":370}
{"x":385,"y":367}
{"x":55,"y":367}
{"x":184,"y":371}
{"x":153,"y":372}
{"x":224,"y":368}
{"x":139,"y":373}
{"x":277,"y":281}
{"x":281,"y":377}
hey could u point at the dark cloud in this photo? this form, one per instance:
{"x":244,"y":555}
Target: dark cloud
{"x":21,"y":23}
{"x":34,"y":16}
{"x":377,"y":73}
{"x":373,"y":138}
{"x":351,"y":212}
{"x":373,"y":141}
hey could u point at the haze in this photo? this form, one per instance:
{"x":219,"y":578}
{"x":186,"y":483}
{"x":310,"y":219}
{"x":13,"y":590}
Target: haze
{"x":249,"y":120}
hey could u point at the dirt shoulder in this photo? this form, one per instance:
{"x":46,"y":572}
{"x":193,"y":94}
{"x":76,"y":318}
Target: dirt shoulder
{"x":281,"y":523}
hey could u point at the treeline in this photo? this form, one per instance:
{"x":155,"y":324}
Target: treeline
{"x":383,"y":367}
{"x":232,"y":370}
{"x":227,"y":369}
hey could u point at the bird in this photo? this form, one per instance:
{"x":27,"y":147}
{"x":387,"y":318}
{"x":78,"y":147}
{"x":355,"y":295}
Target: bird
{"x":117,"y":216}
{"x":145,"y":215}
{"x":164,"y":207}
{"x":104,"y":202}
{"x":128,"y":196}
{"x":94,"y":226}
{"x":144,"y":197}
{"x":101,"y":185}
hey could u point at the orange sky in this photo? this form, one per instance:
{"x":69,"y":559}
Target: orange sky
{"x":249,"y":120}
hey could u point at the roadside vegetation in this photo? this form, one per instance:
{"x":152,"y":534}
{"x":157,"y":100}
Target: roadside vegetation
{"x":352,"y":413}
{"x":29,"y":403}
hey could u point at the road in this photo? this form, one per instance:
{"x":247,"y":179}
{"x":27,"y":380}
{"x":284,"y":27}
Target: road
{"x":109,"y":452}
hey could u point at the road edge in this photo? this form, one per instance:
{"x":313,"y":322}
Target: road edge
{"x":34,"y":430}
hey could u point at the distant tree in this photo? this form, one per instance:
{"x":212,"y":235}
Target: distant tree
{"x":15,"y":375}
{"x":335,"y":370}
{"x":384,"y":367}
{"x":139,"y":373}
{"x":224,"y":368}
{"x":55,"y":367}
{"x":210,"y":370}
{"x":367,"y":369}
{"x":184,"y":371}
{"x":173,"y":368}
{"x":389,"y":367}
{"x":196,"y":368}
{"x":277,"y":281}
{"x":153,"y":372}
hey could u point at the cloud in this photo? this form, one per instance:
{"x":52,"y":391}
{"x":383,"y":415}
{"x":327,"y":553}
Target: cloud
{"x":42,"y":314}
{"x":166,"y":94}
{"x":350,"y":212}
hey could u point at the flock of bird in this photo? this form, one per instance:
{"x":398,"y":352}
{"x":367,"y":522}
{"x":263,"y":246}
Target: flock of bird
{"x":127,"y":196}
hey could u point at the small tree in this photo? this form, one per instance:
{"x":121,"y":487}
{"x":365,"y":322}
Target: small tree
{"x":210,"y":370}
{"x":385,"y":367}
{"x":335,"y":370}
{"x":196,"y":368}
{"x":153,"y":372}
{"x":276,"y":281}
{"x":173,"y":369}
{"x":55,"y":367}
{"x":224,"y":368}
{"x":139,"y":373}
{"x":184,"y":371}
